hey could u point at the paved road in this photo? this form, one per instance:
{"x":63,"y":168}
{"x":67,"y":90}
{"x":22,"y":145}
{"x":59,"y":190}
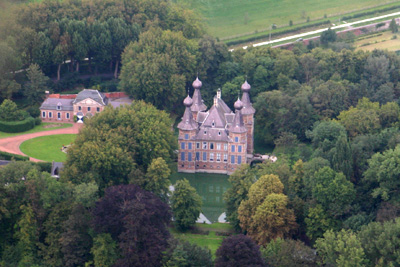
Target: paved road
{"x":301,"y":35}
{"x":11,"y":144}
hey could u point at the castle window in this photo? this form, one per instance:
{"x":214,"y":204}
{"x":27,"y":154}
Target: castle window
{"x":236,"y":139}
{"x":88,"y":109}
{"x":239,"y":159}
{"x":233,"y":148}
{"x":98,"y":109}
{"x":183,"y":145}
{"x":190,"y":145}
{"x":225,"y":147}
{"x":189,"y":156}
{"x":182,"y":156}
{"x":239,"y":148}
{"x":197,"y":156}
{"x":218,"y":146}
{"x":204,"y":145}
{"x":219,"y":133}
{"x":205,"y":132}
{"x":211,"y":145}
{"x":233,"y":159}
{"x":198,"y":145}
{"x":186,"y":136}
{"x":213,"y":124}
{"x":204,"y":156}
{"x":225,"y":157}
{"x":218,"y":157}
{"x":211,"y":156}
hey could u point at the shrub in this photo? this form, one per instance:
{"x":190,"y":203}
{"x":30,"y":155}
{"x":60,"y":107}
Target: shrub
{"x":44,"y":166}
{"x":290,"y":23}
{"x":33,"y":111}
{"x":38,"y":121}
{"x":17,"y":126}
{"x":10,"y":156}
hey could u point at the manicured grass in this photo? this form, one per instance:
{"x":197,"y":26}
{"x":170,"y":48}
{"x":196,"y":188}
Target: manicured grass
{"x":47,"y":148}
{"x":379,"y":41}
{"x":227,"y":18}
{"x":46,"y":126}
{"x":210,"y":241}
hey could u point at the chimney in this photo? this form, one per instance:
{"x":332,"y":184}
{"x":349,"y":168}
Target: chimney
{"x":47,"y":94}
{"x":219,"y":93}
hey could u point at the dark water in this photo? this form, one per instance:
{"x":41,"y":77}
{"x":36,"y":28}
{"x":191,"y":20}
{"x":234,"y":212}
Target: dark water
{"x":211,"y":188}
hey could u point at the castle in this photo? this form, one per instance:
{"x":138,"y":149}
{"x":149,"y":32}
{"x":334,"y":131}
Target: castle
{"x":217,"y":140}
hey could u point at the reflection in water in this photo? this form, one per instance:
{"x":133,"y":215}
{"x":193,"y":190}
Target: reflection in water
{"x":211,"y":188}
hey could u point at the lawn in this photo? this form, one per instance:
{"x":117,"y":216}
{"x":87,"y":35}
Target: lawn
{"x":381,"y":41}
{"x":46,"y":126}
{"x":229,"y":18}
{"x":47,"y":148}
{"x":212,"y":241}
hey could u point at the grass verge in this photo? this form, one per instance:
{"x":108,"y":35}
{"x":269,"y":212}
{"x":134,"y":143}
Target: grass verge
{"x":46,"y":126}
{"x":47,"y":148}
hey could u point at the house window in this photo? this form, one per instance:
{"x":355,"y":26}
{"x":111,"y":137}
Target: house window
{"x":50,"y":114}
{"x":233,"y":159}
{"x":225,"y":157}
{"x":190,"y":145}
{"x":198,"y":145}
{"x":218,"y":146}
{"x":239,"y":148}
{"x":211,"y":145}
{"x":239,"y":159}
{"x":67,"y":115}
{"x":182,"y":156}
{"x":211,"y":156}
{"x":189,"y":156}
{"x":197,"y":155}
{"x":204,"y":145}
{"x":225,"y":147}
{"x":98,"y":109}
{"x":186,"y":136}
{"x":88,"y":108}
{"x":59,"y":115}
{"x":218,"y":157}
{"x":44,"y":114}
{"x":204,"y":156}
{"x":236,"y":139}
{"x":79,"y":108}
{"x":233,"y":148}
{"x":183,"y":145}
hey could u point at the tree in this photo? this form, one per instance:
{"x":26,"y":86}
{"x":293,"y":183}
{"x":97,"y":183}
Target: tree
{"x":184,"y":254}
{"x":238,"y":250}
{"x":157,"y":67}
{"x":241,"y":181}
{"x":140,"y":132}
{"x":137,"y":220}
{"x":105,"y":251}
{"x":10,"y":112}
{"x":328,"y":36}
{"x":342,"y":249}
{"x":34,"y":89}
{"x":393,"y":26}
{"x":186,"y":204}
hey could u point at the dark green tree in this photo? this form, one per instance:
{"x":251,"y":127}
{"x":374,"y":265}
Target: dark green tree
{"x":35,"y":88}
{"x":393,"y":26}
{"x":328,"y":36}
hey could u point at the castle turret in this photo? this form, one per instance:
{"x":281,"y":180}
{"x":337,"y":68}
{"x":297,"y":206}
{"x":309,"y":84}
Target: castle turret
{"x":248,"y":116}
{"x":187,"y":131}
{"x":198,"y":104}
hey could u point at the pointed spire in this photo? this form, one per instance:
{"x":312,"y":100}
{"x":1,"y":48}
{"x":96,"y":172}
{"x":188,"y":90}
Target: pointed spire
{"x":247,"y":106}
{"x":198,"y":104}
{"x":187,"y":122}
{"x":237,"y":124}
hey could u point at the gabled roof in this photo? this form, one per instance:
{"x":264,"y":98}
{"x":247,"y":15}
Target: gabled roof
{"x":52,"y":103}
{"x":215,"y":118}
{"x":92,"y":94}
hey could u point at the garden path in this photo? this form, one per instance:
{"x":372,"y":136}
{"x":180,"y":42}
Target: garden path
{"x":11,"y":144}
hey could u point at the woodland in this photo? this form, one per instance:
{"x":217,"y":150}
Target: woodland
{"x":331,"y":114}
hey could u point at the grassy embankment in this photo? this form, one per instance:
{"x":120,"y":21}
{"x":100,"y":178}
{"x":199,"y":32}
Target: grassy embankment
{"x":46,"y":126}
{"x":381,"y":40}
{"x":47,"y":148}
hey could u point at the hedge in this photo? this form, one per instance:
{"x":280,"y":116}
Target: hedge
{"x":10,"y":156}
{"x":17,"y":126}
{"x":44,"y":166}
{"x":368,"y":13}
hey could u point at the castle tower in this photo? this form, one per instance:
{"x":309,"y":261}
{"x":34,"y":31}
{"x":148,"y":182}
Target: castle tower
{"x":238,"y":136}
{"x":248,"y":117}
{"x":187,"y":132}
{"x":198,"y":104}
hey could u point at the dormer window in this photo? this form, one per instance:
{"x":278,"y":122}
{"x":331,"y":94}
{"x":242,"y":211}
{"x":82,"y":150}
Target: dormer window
{"x":219,"y":133}
{"x":59,"y":106}
{"x":205,"y":132}
{"x":213,"y":124}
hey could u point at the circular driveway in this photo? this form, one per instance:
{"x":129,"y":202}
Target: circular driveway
{"x":11,"y":144}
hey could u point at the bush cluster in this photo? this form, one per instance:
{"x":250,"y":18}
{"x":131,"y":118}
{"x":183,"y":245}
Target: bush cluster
{"x":10,"y":156}
{"x":17,"y":126}
{"x":372,"y":12}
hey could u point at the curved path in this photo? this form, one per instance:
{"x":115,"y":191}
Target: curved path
{"x":11,"y":144}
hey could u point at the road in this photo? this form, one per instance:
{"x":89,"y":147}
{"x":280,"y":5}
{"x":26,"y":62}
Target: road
{"x":301,"y":35}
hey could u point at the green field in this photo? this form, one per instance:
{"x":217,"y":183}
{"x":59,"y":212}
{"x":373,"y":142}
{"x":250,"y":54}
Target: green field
{"x":47,"y":148}
{"x":382,"y":41}
{"x":229,"y":18}
{"x":210,"y":241}
{"x":46,"y":126}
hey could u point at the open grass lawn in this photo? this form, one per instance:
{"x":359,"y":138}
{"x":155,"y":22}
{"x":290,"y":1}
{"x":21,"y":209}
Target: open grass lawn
{"x":46,"y":126}
{"x":47,"y":148}
{"x":210,"y":241}
{"x":227,"y":18}
{"x":382,"y":41}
